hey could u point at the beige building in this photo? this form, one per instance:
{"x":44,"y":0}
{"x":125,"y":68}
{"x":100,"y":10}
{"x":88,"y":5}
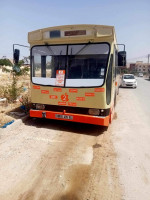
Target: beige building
{"x":139,"y":66}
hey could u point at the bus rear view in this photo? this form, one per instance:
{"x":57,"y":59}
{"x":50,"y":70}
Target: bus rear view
{"x":73,"y":75}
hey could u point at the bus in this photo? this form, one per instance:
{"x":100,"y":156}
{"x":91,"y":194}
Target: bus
{"x":73,"y":73}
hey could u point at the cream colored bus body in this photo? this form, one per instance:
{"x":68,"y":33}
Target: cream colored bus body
{"x":79,"y":97}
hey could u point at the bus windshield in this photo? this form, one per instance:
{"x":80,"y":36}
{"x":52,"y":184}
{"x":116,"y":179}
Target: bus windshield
{"x":83,"y":65}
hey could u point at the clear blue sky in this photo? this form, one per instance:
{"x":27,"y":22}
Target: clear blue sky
{"x":131,"y":19}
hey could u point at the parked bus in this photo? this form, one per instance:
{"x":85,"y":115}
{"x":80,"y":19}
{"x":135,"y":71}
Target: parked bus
{"x":73,"y":73}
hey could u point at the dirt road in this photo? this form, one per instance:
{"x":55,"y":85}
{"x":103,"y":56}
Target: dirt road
{"x":55,"y":160}
{"x":131,"y":139}
{"x":43,"y":159}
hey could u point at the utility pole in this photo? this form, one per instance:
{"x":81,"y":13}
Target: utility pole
{"x":148,"y":58}
{"x":148,"y":66}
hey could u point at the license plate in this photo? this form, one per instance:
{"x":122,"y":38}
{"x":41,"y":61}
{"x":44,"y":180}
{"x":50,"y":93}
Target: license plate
{"x":64,"y":116}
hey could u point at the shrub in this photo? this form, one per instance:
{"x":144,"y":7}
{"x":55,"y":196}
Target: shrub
{"x":25,"y":100}
{"x":11,"y":92}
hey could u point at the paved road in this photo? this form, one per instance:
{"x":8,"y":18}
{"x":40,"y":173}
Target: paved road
{"x":143,"y":95}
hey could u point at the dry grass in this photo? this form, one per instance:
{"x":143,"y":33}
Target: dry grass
{"x":7,"y":110}
{"x":4,"y":118}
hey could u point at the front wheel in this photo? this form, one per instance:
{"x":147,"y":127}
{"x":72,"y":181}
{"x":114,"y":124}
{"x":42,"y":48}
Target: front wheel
{"x":110,"y":117}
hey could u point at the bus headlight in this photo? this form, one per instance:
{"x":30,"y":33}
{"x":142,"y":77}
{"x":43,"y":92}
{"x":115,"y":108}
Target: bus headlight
{"x":40,"y":106}
{"x":93,"y":111}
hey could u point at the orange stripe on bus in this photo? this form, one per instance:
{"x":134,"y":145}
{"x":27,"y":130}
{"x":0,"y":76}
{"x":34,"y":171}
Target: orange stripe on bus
{"x":57,"y":90}
{"x":36,"y":87}
{"x":99,"y":89}
{"x":44,"y":91}
{"x":62,"y":103}
{"x":90,"y":94}
{"x":72,"y":104}
{"x":73,"y":90}
{"x":76,"y":117}
{"x":53,"y":97}
{"x":80,"y":98}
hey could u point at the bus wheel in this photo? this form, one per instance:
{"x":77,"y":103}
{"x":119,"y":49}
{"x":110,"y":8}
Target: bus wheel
{"x":110,"y":117}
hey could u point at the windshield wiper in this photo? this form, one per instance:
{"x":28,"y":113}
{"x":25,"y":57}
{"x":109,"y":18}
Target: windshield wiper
{"x":82,"y":49}
{"x":49,"y":48}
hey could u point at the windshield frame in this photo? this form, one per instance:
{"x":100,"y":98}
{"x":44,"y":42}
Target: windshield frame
{"x":108,"y":56}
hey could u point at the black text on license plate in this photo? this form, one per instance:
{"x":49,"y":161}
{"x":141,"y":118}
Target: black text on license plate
{"x":64,"y":116}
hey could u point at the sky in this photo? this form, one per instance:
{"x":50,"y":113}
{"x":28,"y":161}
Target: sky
{"x":131,"y":19}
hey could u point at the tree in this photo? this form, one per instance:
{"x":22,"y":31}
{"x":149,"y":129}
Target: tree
{"x":13,"y":91}
{"x":5,"y":61}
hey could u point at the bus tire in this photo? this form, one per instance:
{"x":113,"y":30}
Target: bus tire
{"x":110,"y":117}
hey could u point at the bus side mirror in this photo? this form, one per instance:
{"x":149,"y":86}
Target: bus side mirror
{"x":16,"y":56}
{"x":122,"y":58}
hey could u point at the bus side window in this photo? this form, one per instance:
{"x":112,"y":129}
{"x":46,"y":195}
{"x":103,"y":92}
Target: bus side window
{"x":116,"y":58}
{"x":115,"y":63}
{"x":33,"y":69}
{"x":114,"y":73}
{"x":109,"y":81}
{"x":114,"y":66}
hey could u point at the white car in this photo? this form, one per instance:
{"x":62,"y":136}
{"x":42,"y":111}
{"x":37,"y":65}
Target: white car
{"x":129,"y":80}
{"x":140,"y":75}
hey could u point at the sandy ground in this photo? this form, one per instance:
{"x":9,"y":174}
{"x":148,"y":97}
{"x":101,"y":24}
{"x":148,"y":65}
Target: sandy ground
{"x":131,"y":139}
{"x":55,"y":160}
{"x":7,"y":109}
{"x":43,"y":159}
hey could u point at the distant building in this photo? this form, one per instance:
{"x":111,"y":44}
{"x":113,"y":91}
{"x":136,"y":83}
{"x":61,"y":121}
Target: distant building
{"x":139,"y":66}
{"x":132,"y":67}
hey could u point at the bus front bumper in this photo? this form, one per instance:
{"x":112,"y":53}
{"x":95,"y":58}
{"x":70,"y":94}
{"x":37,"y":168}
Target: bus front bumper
{"x":88,"y":119}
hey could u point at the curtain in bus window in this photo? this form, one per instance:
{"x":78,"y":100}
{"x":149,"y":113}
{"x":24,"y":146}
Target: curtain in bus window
{"x":47,"y":62}
{"x":86,"y":65}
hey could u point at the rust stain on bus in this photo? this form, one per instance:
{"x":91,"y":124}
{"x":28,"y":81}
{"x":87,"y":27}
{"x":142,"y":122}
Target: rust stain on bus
{"x":90,"y":94}
{"x":99,"y":89}
{"x":45,"y":91}
{"x":36,"y":87}
{"x":57,"y":90}
{"x":62,"y":103}
{"x":53,"y":97}
{"x":80,"y":98}
{"x":73,"y":90}
{"x":72,"y":104}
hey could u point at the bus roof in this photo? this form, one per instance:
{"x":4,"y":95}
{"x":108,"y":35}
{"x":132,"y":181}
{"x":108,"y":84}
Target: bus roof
{"x":72,"y":34}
